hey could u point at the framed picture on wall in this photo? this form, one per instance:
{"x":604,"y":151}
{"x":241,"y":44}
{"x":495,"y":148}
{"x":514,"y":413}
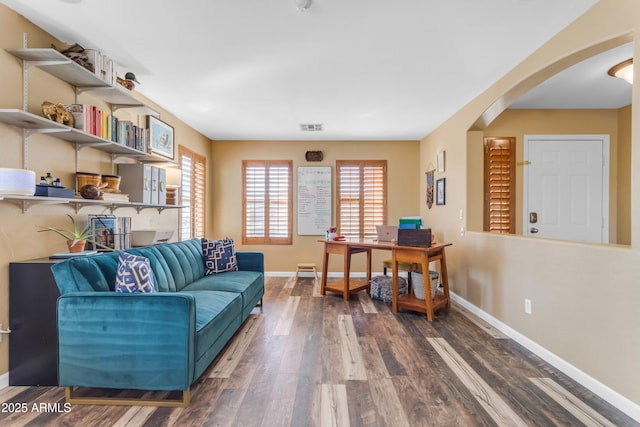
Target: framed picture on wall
{"x":160,"y":138}
{"x":440,"y":191}
{"x":440,"y":162}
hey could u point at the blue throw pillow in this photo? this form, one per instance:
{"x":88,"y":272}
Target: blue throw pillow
{"x":134,"y":274}
{"x":219,"y":256}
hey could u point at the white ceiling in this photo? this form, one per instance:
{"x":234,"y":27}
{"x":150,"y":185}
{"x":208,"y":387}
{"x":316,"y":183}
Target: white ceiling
{"x":256,"y":69}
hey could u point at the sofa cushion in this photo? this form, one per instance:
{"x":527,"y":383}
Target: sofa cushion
{"x":219,"y":256}
{"x":134,"y":274}
{"x":174,"y":265}
{"x":216,"y":311}
{"x":249,"y":284}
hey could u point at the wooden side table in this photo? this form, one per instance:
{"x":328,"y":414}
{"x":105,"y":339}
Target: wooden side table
{"x":347,"y":285}
{"x":422,"y":256}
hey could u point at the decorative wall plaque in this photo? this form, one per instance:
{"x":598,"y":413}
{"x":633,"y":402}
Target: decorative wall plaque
{"x":314,"y":156}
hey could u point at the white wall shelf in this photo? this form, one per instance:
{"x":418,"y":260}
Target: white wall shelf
{"x":26,"y":202}
{"x":37,"y":124}
{"x":58,"y":65}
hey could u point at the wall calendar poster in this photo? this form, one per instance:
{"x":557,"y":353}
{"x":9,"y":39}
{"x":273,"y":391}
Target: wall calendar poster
{"x":314,"y":200}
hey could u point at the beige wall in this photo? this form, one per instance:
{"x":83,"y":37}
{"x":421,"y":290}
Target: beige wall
{"x":517,"y":123}
{"x":585,"y":298}
{"x":226,"y":169}
{"x":19,"y":237}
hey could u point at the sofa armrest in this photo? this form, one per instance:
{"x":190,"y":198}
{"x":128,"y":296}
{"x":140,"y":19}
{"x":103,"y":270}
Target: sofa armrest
{"x":250,"y":261}
{"x":116,"y":340}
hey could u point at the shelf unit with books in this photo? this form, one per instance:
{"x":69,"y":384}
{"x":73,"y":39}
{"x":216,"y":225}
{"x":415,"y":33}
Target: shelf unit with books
{"x":84,"y":81}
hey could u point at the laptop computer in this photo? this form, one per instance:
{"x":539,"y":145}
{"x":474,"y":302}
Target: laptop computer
{"x":387,"y":233}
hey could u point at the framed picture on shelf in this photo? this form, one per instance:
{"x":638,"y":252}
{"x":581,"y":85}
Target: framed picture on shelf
{"x":440,"y":191}
{"x":160,"y":138}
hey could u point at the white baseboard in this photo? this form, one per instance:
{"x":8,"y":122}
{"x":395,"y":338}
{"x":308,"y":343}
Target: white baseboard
{"x":606,"y":393}
{"x":4,"y":380}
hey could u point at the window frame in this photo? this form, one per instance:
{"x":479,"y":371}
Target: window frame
{"x":196,"y":206}
{"x":366,"y":227}
{"x":266,"y":239}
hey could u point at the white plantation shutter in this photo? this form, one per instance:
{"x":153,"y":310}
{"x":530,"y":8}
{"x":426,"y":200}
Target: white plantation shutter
{"x":192,"y":194}
{"x":267,"y":201}
{"x":499,"y":182}
{"x":362,"y":196}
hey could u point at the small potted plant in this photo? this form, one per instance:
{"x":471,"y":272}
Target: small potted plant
{"x":77,"y":238}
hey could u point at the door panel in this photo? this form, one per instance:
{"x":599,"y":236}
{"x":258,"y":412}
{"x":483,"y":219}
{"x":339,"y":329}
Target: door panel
{"x":566,"y":186}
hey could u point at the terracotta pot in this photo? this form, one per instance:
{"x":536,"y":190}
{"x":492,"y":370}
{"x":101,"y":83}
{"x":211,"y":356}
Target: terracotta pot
{"x":77,"y":247}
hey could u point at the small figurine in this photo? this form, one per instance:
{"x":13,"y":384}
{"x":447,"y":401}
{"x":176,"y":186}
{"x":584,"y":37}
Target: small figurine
{"x":57,"y":112}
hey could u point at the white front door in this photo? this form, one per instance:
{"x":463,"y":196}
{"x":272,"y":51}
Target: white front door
{"x":566,"y":187}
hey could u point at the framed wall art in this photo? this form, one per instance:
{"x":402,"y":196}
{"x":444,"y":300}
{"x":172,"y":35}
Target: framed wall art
{"x":440,"y":191}
{"x":440,"y":162}
{"x":160,"y":138}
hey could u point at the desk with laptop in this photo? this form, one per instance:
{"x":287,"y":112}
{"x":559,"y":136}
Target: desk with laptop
{"x":408,"y":246}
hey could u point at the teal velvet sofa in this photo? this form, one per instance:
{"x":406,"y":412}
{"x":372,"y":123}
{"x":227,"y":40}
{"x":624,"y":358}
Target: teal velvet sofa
{"x":162,"y":340}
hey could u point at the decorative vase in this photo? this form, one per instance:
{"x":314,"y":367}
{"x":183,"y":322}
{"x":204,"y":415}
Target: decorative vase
{"x":77,"y":246}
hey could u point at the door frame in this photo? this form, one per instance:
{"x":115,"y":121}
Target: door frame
{"x":605,"y":176}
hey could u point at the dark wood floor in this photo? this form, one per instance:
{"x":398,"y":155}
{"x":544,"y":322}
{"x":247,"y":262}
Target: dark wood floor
{"x":319,"y":361}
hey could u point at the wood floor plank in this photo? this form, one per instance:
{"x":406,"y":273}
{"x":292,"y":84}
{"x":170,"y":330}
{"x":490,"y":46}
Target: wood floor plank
{"x":570,"y":403}
{"x":365,"y":301}
{"x":388,"y":402}
{"x":334,"y":410}
{"x":231,"y":356}
{"x":486,"y":396}
{"x":286,"y":318}
{"x":7,"y":393}
{"x":352,"y":361}
{"x":137,"y":415}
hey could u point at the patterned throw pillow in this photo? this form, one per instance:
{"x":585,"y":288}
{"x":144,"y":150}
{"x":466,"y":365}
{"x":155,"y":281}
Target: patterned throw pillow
{"x":134,"y":274}
{"x":219,"y":256}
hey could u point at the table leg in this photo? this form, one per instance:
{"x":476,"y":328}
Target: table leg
{"x":347,"y":273}
{"x":394,"y":282}
{"x":445,"y":279}
{"x":325,"y":267}
{"x":426,"y":283}
{"x":369,"y":271}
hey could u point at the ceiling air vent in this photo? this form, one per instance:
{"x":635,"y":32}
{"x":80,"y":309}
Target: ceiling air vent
{"x":311,"y":127}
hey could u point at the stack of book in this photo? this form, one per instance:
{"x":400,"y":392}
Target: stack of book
{"x":114,"y":197}
{"x":94,"y":121}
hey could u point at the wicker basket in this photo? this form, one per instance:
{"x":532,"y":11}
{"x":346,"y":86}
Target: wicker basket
{"x":112,"y":181}
{"x":417,"y":282}
{"x":88,"y":178}
{"x":381,"y":288}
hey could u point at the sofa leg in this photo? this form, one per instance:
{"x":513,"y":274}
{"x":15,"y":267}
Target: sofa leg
{"x":173,"y":403}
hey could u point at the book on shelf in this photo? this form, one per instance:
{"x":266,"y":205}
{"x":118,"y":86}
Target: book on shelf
{"x":114,"y":197}
{"x":92,"y":120}
{"x":111,"y":231}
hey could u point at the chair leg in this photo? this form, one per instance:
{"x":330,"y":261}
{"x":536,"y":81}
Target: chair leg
{"x":384,"y":270}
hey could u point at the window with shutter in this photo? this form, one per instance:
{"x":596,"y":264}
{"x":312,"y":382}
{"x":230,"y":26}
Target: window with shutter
{"x":361,"y":196}
{"x":267,"y":201}
{"x":193,"y":169}
{"x":499,"y":185}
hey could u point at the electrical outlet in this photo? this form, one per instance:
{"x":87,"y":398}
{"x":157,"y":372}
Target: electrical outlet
{"x":527,"y":306}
